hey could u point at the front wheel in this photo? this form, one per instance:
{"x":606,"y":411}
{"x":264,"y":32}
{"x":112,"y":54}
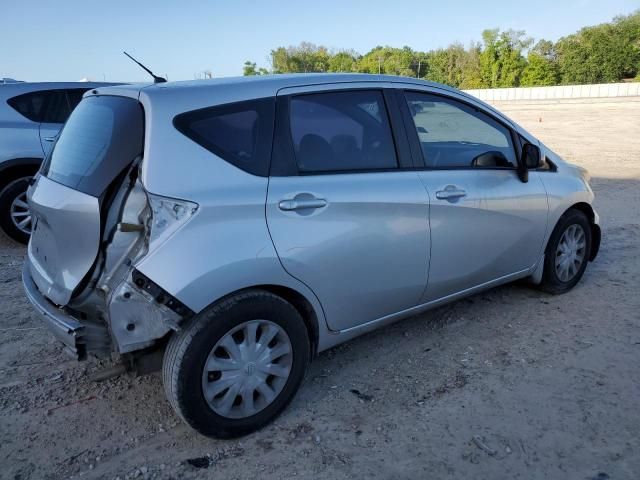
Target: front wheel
{"x":236,"y":366}
{"x":567,"y":253}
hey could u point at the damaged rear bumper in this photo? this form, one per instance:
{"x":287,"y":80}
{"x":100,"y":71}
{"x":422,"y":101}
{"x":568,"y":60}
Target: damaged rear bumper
{"x":137,"y":319}
{"x":65,"y":328}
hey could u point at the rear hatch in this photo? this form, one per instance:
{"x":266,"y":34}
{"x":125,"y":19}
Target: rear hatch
{"x":73,"y":192}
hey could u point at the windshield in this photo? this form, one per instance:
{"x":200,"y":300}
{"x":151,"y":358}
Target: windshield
{"x":103,"y":135}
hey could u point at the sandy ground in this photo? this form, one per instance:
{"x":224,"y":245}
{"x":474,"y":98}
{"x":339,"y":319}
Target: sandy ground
{"x":549,"y":387}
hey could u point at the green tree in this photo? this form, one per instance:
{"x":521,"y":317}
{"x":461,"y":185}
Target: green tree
{"x":344,"y":61}
{"x":372,"y":61}
{"x":389,"y":60}
{"x":603,"y":53}
{"x":304,"y":58}
{"x":251,"y":69}
{"x":280,"y":62}
{"x":455,"y":66}
{"x":440,"y":67}
{"x":542,"y":68}
{"x":501,"y":60}
{"x":585,"y":57}
{"x":628,"y":28}
{"x":471,"y":73}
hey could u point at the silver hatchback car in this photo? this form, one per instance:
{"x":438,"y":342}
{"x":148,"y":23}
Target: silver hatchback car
{"x":234,"y":228}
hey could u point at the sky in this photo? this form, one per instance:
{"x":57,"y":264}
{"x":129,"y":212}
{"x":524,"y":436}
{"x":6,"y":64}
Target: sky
{"x":48,"y":40}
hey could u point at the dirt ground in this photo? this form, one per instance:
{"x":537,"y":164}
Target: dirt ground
{"x":511,"y":383}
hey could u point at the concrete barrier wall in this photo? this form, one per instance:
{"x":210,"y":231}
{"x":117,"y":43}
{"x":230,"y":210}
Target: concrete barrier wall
{"x":558,"y":92}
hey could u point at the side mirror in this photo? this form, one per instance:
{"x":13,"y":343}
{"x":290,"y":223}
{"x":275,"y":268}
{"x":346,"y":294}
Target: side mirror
{"x":531,"y":156}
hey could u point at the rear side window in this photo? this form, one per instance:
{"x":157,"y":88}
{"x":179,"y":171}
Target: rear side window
{"x":342,"y":131}
{"x":30,"y":105}
{"x":49,"y":106}
{"x":74,"y":96}
{"x":58,"y":108}
{"x":101,"y":138}
{"x":240,"y":133}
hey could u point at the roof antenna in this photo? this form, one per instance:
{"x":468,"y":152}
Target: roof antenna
{"x":156,"y":79}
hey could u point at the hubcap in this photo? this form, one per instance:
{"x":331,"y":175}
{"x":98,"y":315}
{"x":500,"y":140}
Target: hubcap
{"x":247,"y":369}
{"x":20,"y":214}
{"x":570,"y":252}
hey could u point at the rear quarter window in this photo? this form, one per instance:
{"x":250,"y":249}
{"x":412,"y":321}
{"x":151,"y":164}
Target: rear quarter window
{"x":58,"y":108}
{"x":49,"y":106}
{"x":240,"y":133}
{"x":30,"y":105}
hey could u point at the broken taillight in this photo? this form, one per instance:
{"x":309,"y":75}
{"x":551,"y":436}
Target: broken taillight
{"x":167,"y":216}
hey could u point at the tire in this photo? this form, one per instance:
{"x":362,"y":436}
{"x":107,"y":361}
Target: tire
{"x":552,"y":281}
{"x":8,"y":195}
{"x":190,"y":350}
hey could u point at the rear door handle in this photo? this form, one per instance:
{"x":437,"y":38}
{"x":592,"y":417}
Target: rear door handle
{"x":451,"y":192}
{"x":49,"y":139}
{"x":302,"y":204}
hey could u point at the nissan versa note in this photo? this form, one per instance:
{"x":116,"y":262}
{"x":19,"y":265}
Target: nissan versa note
{"x":234,"y":228}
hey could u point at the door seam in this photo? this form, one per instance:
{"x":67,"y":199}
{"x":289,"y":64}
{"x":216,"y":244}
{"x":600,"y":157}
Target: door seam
{"x":266,"y":221}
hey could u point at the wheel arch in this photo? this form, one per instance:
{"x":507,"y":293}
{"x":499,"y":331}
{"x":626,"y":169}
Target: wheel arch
{"x":596,"y":233}
{"x":304,"y":307}
{"x":13,"y":169}
{"x":299,"y":301}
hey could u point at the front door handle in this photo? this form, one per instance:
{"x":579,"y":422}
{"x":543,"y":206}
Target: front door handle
{"x":301,"y":204}
{"x":451,"y":192}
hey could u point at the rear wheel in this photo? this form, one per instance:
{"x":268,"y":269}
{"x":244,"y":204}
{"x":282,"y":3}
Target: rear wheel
{"x":15,"y":217}
{"x":236,"y":365}
{"x":567,"y":253}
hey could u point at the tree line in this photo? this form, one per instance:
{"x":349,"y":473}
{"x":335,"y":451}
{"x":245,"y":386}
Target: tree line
{"x":604,"y":53}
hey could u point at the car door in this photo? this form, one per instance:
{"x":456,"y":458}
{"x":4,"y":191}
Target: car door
{"x":347,"y":215}
{"x":486,"y":224}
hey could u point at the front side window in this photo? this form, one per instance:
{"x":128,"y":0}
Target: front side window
{"x":341,"y":131}
{"x":240,"y":133}
{"x":455,"y":135}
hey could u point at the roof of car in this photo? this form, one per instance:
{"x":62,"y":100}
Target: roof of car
{"x":270,"y":84}
{"x":293,"y":80}
{"x":193,"y":94}
{"x":8,"y":90}
{"x":181,"y":96}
